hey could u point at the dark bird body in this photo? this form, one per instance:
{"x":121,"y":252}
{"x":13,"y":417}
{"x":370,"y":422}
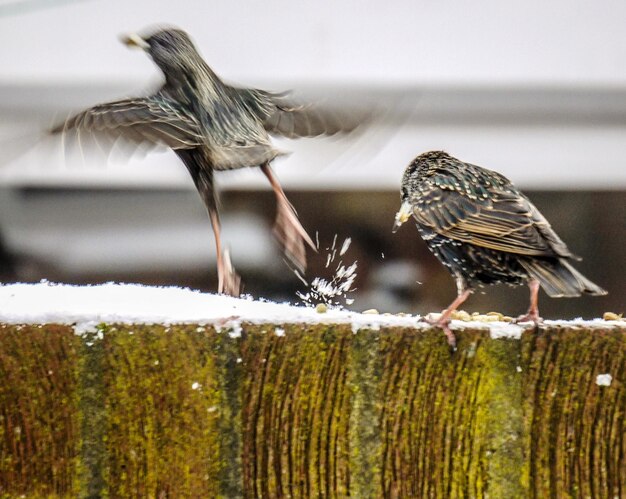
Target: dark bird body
{"x":485,"y":231}
{"x":210,"y":126}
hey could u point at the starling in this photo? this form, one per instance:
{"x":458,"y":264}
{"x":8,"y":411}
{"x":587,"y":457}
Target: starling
{"x":211,"y":126}
{"x":485,"y":231}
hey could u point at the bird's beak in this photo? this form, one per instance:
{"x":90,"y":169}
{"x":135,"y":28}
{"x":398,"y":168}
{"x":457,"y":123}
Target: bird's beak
{"x":134,"y":40}
{"x":404,"y":213}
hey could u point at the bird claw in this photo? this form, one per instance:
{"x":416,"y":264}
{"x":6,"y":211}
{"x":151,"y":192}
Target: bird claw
{"x":445,"y":326}
{"x":529,"y":317}
{"x":229,"y":282}
{"x":290,"y":233}
{"x":287,"y":228}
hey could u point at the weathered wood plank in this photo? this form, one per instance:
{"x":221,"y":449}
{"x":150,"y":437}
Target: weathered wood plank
{"x":310,"y":411}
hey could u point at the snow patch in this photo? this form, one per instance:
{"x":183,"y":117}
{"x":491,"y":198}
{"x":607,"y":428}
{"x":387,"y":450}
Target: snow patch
{"x":85,"y":327}
{"x":585,"y":322}
{"x":604,"y":379}
{"x":505,"y":330}
{"x":85,"y":307}
{"x":235,"y":329}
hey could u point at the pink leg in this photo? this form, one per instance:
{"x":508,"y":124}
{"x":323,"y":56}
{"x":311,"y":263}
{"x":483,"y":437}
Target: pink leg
{"x":287,"y":228}
{"x":533,"y":310}
{"x":444,"y":321}
{"x":228,"y":280}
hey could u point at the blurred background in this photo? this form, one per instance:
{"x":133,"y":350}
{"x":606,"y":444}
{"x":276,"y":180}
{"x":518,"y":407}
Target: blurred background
{"x":535,"y":90}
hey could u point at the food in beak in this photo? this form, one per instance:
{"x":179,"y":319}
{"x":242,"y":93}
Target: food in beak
{"x":134,"y":40}
{"x":404,"y":213}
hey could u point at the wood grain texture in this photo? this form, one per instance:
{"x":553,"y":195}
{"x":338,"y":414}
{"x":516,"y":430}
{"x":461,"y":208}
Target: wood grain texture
{"x":575,"y":429}
{"x":39,"y":415}
{"x":310,"y":411}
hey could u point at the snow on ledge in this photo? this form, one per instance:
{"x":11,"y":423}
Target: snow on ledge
{"x":87,"y":306}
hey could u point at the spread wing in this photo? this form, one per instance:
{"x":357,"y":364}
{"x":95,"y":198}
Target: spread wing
{"x":505,"y":221}
{"x":146,"y":122}
{"x":281,"y":116}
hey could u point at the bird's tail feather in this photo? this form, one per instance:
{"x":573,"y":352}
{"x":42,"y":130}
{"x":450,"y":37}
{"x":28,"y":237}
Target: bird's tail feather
{"x":559,"y":279}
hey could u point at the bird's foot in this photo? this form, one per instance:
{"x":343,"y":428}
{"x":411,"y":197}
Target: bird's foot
{"x":444,"y":324}
{"x":531,"y":316}
{"x":290,"y":233}
{"x":229,"y":282}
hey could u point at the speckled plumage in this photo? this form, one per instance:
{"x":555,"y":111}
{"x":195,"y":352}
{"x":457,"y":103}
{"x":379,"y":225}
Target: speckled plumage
{"x":210,"y":126}
{"x":485,"y":231}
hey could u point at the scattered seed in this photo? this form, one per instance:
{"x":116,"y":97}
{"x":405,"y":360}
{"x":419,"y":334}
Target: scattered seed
{"x":321,"y":308}
{"x":611,"y":316}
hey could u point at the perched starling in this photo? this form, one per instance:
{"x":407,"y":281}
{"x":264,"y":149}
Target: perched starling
{"x":210,"y":126}
{"x":485,"y":231}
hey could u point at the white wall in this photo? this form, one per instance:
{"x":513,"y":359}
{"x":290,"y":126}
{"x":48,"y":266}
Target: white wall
{"x":562,"y":45}
{"x":486,"y":41}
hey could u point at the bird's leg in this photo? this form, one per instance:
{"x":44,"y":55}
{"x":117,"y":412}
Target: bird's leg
{"x":287,"y":228}
{"x":228,"y":280}
{"x":533,"y":310}
{"x":444,"y":320}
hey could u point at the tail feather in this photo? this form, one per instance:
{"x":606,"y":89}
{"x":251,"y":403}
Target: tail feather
{"x":559,"y":279}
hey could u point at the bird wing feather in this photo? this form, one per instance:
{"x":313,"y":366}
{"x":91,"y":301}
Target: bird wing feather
{"x":151,"y":121}
{"x":505,"y":221}
{"x":280,"y":116}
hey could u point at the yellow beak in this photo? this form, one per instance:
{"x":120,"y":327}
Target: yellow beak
{"x":404,"y":213}
{"x":134,"y":40}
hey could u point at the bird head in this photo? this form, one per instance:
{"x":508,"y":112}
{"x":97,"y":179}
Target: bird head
{"x":171,"y":49}
{"x":406,"y":192}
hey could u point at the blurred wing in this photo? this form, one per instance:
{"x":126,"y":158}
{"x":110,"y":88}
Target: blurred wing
{"x":282,"y":117}
{"x":507,"y":221}
{"x":150,"y":121}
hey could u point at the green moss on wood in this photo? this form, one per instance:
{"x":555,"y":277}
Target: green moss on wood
{"x":161,"y":403}
{"x":229,"y":380}
{"x":91,"y":396}
{"x":39,"y":422}
{"x":575,"y":429}
{"x":365,"y":369}
{"x":310,"y":411}
{"x":429,"y":415}
{"x":295,"y":412}
{"x":500,"y":421}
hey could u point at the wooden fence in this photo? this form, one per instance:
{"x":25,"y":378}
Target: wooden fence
{"x":311,"y":411}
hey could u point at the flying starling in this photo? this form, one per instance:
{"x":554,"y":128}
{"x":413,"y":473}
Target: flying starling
{"x":210,"y":126}
{"x":485,"y":231}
